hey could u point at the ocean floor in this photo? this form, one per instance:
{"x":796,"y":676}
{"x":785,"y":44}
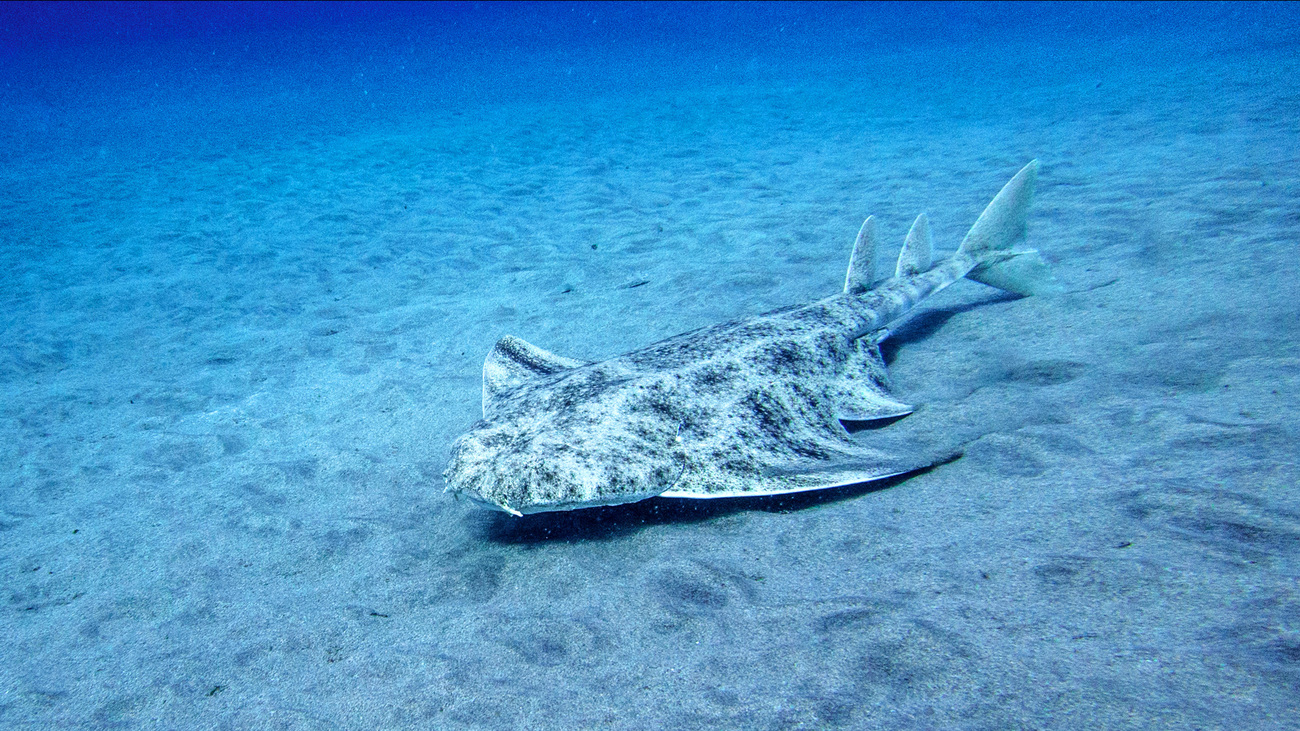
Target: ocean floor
{"x":237,"y":348}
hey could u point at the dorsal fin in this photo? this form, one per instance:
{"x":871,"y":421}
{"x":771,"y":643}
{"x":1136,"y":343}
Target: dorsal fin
{"x":915,"y":257}
{"x":515,"y":361}
{"x":862,"y":266}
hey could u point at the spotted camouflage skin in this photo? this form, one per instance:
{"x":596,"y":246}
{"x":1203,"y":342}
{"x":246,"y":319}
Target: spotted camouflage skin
{"x":752,"y":407}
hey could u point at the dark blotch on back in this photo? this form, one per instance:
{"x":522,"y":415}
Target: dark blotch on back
{"x":584,"y":387}
{"x":787,"y":357}
{"x":769,"y":414}
{"x":714,"y":378}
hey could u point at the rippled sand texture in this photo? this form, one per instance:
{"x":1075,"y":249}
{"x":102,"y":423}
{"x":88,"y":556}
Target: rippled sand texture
{"x":234,"y":358}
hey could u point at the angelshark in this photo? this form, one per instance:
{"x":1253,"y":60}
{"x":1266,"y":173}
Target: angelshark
{"x":746,"y":408}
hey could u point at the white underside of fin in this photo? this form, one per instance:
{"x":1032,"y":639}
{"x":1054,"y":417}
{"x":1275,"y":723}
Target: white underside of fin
{"x":858,"y":480}
{"x":886,"y":410}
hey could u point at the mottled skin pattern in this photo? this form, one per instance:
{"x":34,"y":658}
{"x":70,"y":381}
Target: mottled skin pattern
{"x":752,"y":407}
{"x":748,"y":407}
{"x":711,"y":411}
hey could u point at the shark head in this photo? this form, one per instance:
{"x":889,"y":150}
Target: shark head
{"x":523,"y":466}
{"x":560,"y":434}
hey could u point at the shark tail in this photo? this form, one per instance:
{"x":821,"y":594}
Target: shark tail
{"x":990,"y":243}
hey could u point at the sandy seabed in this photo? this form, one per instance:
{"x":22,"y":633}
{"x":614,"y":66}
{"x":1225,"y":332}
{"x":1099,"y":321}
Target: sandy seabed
{"x":232,"y":368}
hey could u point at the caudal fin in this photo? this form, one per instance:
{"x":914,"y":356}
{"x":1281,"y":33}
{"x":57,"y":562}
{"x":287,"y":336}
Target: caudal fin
{"x":991,"y":241}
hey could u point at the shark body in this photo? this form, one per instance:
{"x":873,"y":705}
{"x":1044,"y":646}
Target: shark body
{"x":746,"y":408}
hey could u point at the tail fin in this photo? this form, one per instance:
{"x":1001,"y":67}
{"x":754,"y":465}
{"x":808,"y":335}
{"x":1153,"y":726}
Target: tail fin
{"x":1000,"y":227}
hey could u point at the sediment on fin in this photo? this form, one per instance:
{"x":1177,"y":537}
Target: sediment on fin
{"x":514,"y":362}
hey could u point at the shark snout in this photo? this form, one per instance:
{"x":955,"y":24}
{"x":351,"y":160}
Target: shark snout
{"x":483,"y":502}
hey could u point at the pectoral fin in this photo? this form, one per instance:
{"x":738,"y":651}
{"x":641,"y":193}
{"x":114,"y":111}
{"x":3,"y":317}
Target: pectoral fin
{"x":863,"y":394}
{"x":514,"y":362}
{"x":808,"y":475}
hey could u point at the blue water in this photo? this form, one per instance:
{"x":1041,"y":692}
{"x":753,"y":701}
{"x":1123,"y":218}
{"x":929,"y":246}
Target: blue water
{"x":252,"y":257}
